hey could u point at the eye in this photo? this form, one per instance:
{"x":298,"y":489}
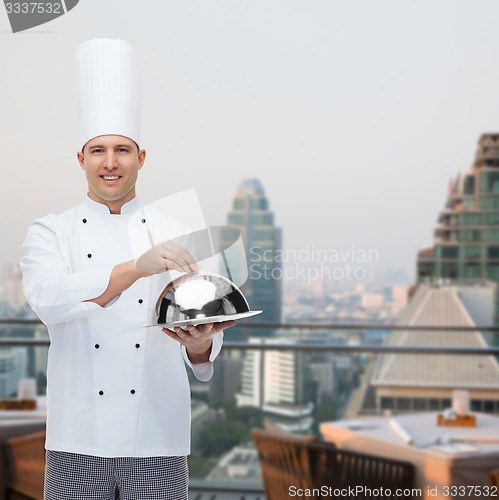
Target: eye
{"x":97,"y":150}
{"x":123,"y":150}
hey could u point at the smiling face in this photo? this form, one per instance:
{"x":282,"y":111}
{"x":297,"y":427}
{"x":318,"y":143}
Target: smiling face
{"x":111,"y":164}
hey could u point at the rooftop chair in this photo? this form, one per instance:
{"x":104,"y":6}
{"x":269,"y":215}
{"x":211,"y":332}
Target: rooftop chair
{"x":25,"y":457}
{"x":494,"y":482}
{"x":338,"y":469}
{"x":285,"y":461}
{"x":289,"y":461}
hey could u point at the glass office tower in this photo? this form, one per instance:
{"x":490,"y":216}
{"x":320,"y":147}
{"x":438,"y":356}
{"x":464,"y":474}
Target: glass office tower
{"x":251,"y":215}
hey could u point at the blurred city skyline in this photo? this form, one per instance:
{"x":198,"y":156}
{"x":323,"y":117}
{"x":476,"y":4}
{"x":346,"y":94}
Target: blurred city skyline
{"x":354,"y":116}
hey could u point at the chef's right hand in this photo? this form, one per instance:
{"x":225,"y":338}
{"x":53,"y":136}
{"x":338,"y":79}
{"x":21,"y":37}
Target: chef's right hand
{"x":166,"y":256}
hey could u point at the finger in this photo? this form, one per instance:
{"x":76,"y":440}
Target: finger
{"x":178,"y":262}
{"x":218,"y":327}
{"x":171,"y":334}
{"x":175,"y":261}
{"x":179,"y":335}
{"x":224,"y":324}
{"x":194,"y":330}
{"x":215,"y":327}
{"x":177,"y":266}
{"x":180,"y":255}
{"x":186,"y":256}
{"x":205,"y":328}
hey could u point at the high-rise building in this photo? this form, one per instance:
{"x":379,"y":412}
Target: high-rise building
{"x":226,"y":380}
{"x":273,"y":381}
{"x":466,"y":242}
{"x":251,"y":215}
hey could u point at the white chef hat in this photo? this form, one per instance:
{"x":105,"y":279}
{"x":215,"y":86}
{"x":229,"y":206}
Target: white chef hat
{"x":107,"y":82}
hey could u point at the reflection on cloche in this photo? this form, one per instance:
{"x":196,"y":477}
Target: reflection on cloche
{"x":198,"y":298}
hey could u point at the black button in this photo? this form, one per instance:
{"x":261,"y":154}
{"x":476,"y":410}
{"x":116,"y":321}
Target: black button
{"x":101,"y":393}
{"x":84,"y":221}
{"x":133,"y":391}
{"x":97,"y":346}
{"x":137,"y":345}
{"x":140,"y":301}
{"x":89,"y":255}
{"x":143,"y":221}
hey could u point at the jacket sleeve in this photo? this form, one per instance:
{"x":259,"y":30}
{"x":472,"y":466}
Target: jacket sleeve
{"x":204,"y":371}
{"x":55,"y":293}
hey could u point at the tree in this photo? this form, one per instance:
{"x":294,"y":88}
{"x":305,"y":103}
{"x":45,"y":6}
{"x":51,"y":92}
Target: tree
{"x":221,"y":436}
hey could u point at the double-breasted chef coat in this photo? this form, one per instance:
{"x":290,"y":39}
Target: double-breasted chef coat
{"x":114,"y":387}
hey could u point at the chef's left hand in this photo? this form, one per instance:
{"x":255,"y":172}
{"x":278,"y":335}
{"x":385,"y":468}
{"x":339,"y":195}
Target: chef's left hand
{"x":198,"y":339}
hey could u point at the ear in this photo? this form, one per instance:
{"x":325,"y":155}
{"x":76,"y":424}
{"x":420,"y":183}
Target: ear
{"x":81,"y":159}
{"x":142,"y":158}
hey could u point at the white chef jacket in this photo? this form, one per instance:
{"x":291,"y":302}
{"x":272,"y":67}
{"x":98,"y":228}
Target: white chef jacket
{"x":114,"y":387}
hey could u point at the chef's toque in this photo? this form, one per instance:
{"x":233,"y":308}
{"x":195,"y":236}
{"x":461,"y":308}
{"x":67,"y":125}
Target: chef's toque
{"x":107,"y":83}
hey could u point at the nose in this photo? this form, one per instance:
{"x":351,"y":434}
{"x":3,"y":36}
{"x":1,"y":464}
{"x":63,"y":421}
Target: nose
{"x":110,"y":162}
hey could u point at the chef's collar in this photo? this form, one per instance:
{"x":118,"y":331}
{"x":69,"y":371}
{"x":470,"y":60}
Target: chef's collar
{"x":128,"y":208}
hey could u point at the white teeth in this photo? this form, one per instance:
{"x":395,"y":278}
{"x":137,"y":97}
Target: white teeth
{"x":110,"y":177}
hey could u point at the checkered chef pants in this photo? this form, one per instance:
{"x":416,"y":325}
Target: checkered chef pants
{"x":71,"y":476}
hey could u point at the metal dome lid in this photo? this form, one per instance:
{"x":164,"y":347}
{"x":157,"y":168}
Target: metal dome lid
{"x":198,"y":298}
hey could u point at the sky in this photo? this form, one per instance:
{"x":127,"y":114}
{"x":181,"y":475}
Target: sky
{"x":354,"y":115}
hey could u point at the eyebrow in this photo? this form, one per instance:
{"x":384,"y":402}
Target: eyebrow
{"x":101,"y":146}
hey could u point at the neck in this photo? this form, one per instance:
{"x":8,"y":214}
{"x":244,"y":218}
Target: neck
{"x":114,"y":206}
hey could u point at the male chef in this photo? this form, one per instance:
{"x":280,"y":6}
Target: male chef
{"x":118,"y":423}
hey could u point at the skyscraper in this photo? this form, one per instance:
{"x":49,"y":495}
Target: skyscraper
{"x":269,"y":380}
{"x":273,"y":381}
{"x":466,"y":243}
{"x":251,"y":215}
